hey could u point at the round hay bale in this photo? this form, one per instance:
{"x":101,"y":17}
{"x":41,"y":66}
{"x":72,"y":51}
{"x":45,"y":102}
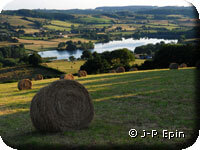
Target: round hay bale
{"x":62,"y":106}
{"x":82,"y":73}
{"x":112,"y":71}
{"x":134,"y":69}
{"x":39,"y":77}
{"x":67,"y":76}
{"x":24,"y":84}
{"x":173,"y":66}
{"x":120,"y":70}
{"x":183,"y":65}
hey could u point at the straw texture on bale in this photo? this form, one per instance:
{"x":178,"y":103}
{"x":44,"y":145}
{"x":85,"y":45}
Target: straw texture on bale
{"x":112,"y":71}
{"x":134,"y":69}
{"x":173,"y":66}
{"x":67,"y":76}
{"x":24,"y":84}
{"x":120,"y":70}
{"x":62,"y":106}
{"x":39,"y":77}
{"x":82,"y":73}
{"x":183,"y":65}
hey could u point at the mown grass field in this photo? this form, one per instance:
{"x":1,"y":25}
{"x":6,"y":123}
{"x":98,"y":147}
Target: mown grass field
{"x":142,"y":100}
{"x":66,"y":66}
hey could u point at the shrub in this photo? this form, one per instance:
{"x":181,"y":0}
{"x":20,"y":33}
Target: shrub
{"x":35,"y":59}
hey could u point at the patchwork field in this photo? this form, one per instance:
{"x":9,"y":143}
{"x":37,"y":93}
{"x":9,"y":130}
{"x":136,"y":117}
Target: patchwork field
{"x":142,"y":100}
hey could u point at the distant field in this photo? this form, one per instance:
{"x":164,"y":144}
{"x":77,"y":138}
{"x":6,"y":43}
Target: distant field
{"x":60,"y":25}
{"x":2,"y":44}
{"x":94,"y":20}
{"x":39,"y":45}
{"x":54,"y":27}
{"x":64,"y":23}
{"x":16,"y":21}
{"x":142,"y":100}
{"x":31,"y":31}
{"x":66,"y":66}
{"x":34,"y":38}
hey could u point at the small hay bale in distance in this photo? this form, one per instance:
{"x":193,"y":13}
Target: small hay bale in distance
{"x":112,"y":71}
{"x":67,"y":76}
{"x":24,"y":84}
{"x":63,"y":105}
{"x":183,"y":65}
{"x":120,"y":70}
{"x":173,"y":66}
{"x":39,"y":77}
{"x":134,"y":69}
{"x":82,"y":73}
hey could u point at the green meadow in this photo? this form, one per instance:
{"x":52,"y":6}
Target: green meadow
{"x":142,"y":100}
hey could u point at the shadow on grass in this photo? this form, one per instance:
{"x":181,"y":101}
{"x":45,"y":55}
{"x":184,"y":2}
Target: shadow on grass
{"x":26,"y":92}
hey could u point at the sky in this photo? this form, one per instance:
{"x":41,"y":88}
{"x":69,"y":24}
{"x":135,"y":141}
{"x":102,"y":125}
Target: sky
{"x":83,"y":4}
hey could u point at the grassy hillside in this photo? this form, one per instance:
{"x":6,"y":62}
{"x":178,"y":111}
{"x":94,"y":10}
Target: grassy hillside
{"x":143,"y":100}
{"x":22,"y":72}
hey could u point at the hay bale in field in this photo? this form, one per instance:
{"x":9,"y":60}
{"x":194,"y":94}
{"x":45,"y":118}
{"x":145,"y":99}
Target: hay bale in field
{"x":67,"y":76}
{"x":62,"y":106}
{"x":120,"y":70}
{"x":39,"y":77}
{"x":183,"y":65}
{"x":134,"y":69}
{"x":173,"y":66}
{"x":112,"y":71}
{"x":24,"y":84}
{"x":82,"y":73}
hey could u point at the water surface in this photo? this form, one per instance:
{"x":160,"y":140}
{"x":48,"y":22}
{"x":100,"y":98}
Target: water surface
{"x":130,"y":43}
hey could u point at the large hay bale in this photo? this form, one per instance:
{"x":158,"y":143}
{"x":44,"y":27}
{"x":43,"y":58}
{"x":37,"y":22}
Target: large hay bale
{"x":24,"y":84}
{"x":39,"y":77}
{"x":173,"y":66}
{"x":134,"y":69}
{"x":82,"y":73}
{"x":67,"y":76}
{"x":120,"y":70}
{"x":183,"y":65}
{"x":62,"y":106}
{"x":112,"y":71}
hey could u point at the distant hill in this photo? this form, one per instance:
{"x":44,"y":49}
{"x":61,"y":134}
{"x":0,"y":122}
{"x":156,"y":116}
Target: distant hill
{"x":169,"y":10}
{"x":66,"y":14}
{"x":125,"y":8}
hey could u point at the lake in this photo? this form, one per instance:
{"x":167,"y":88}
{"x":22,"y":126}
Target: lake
{"x":130,"y":43}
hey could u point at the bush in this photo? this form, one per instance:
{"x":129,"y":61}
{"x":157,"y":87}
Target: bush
{"x":35,"y":59}
{"x":1,"y":65}
{"x":96,"y":65}
{"x":9,"y":62}
{"x":148,"y":64}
